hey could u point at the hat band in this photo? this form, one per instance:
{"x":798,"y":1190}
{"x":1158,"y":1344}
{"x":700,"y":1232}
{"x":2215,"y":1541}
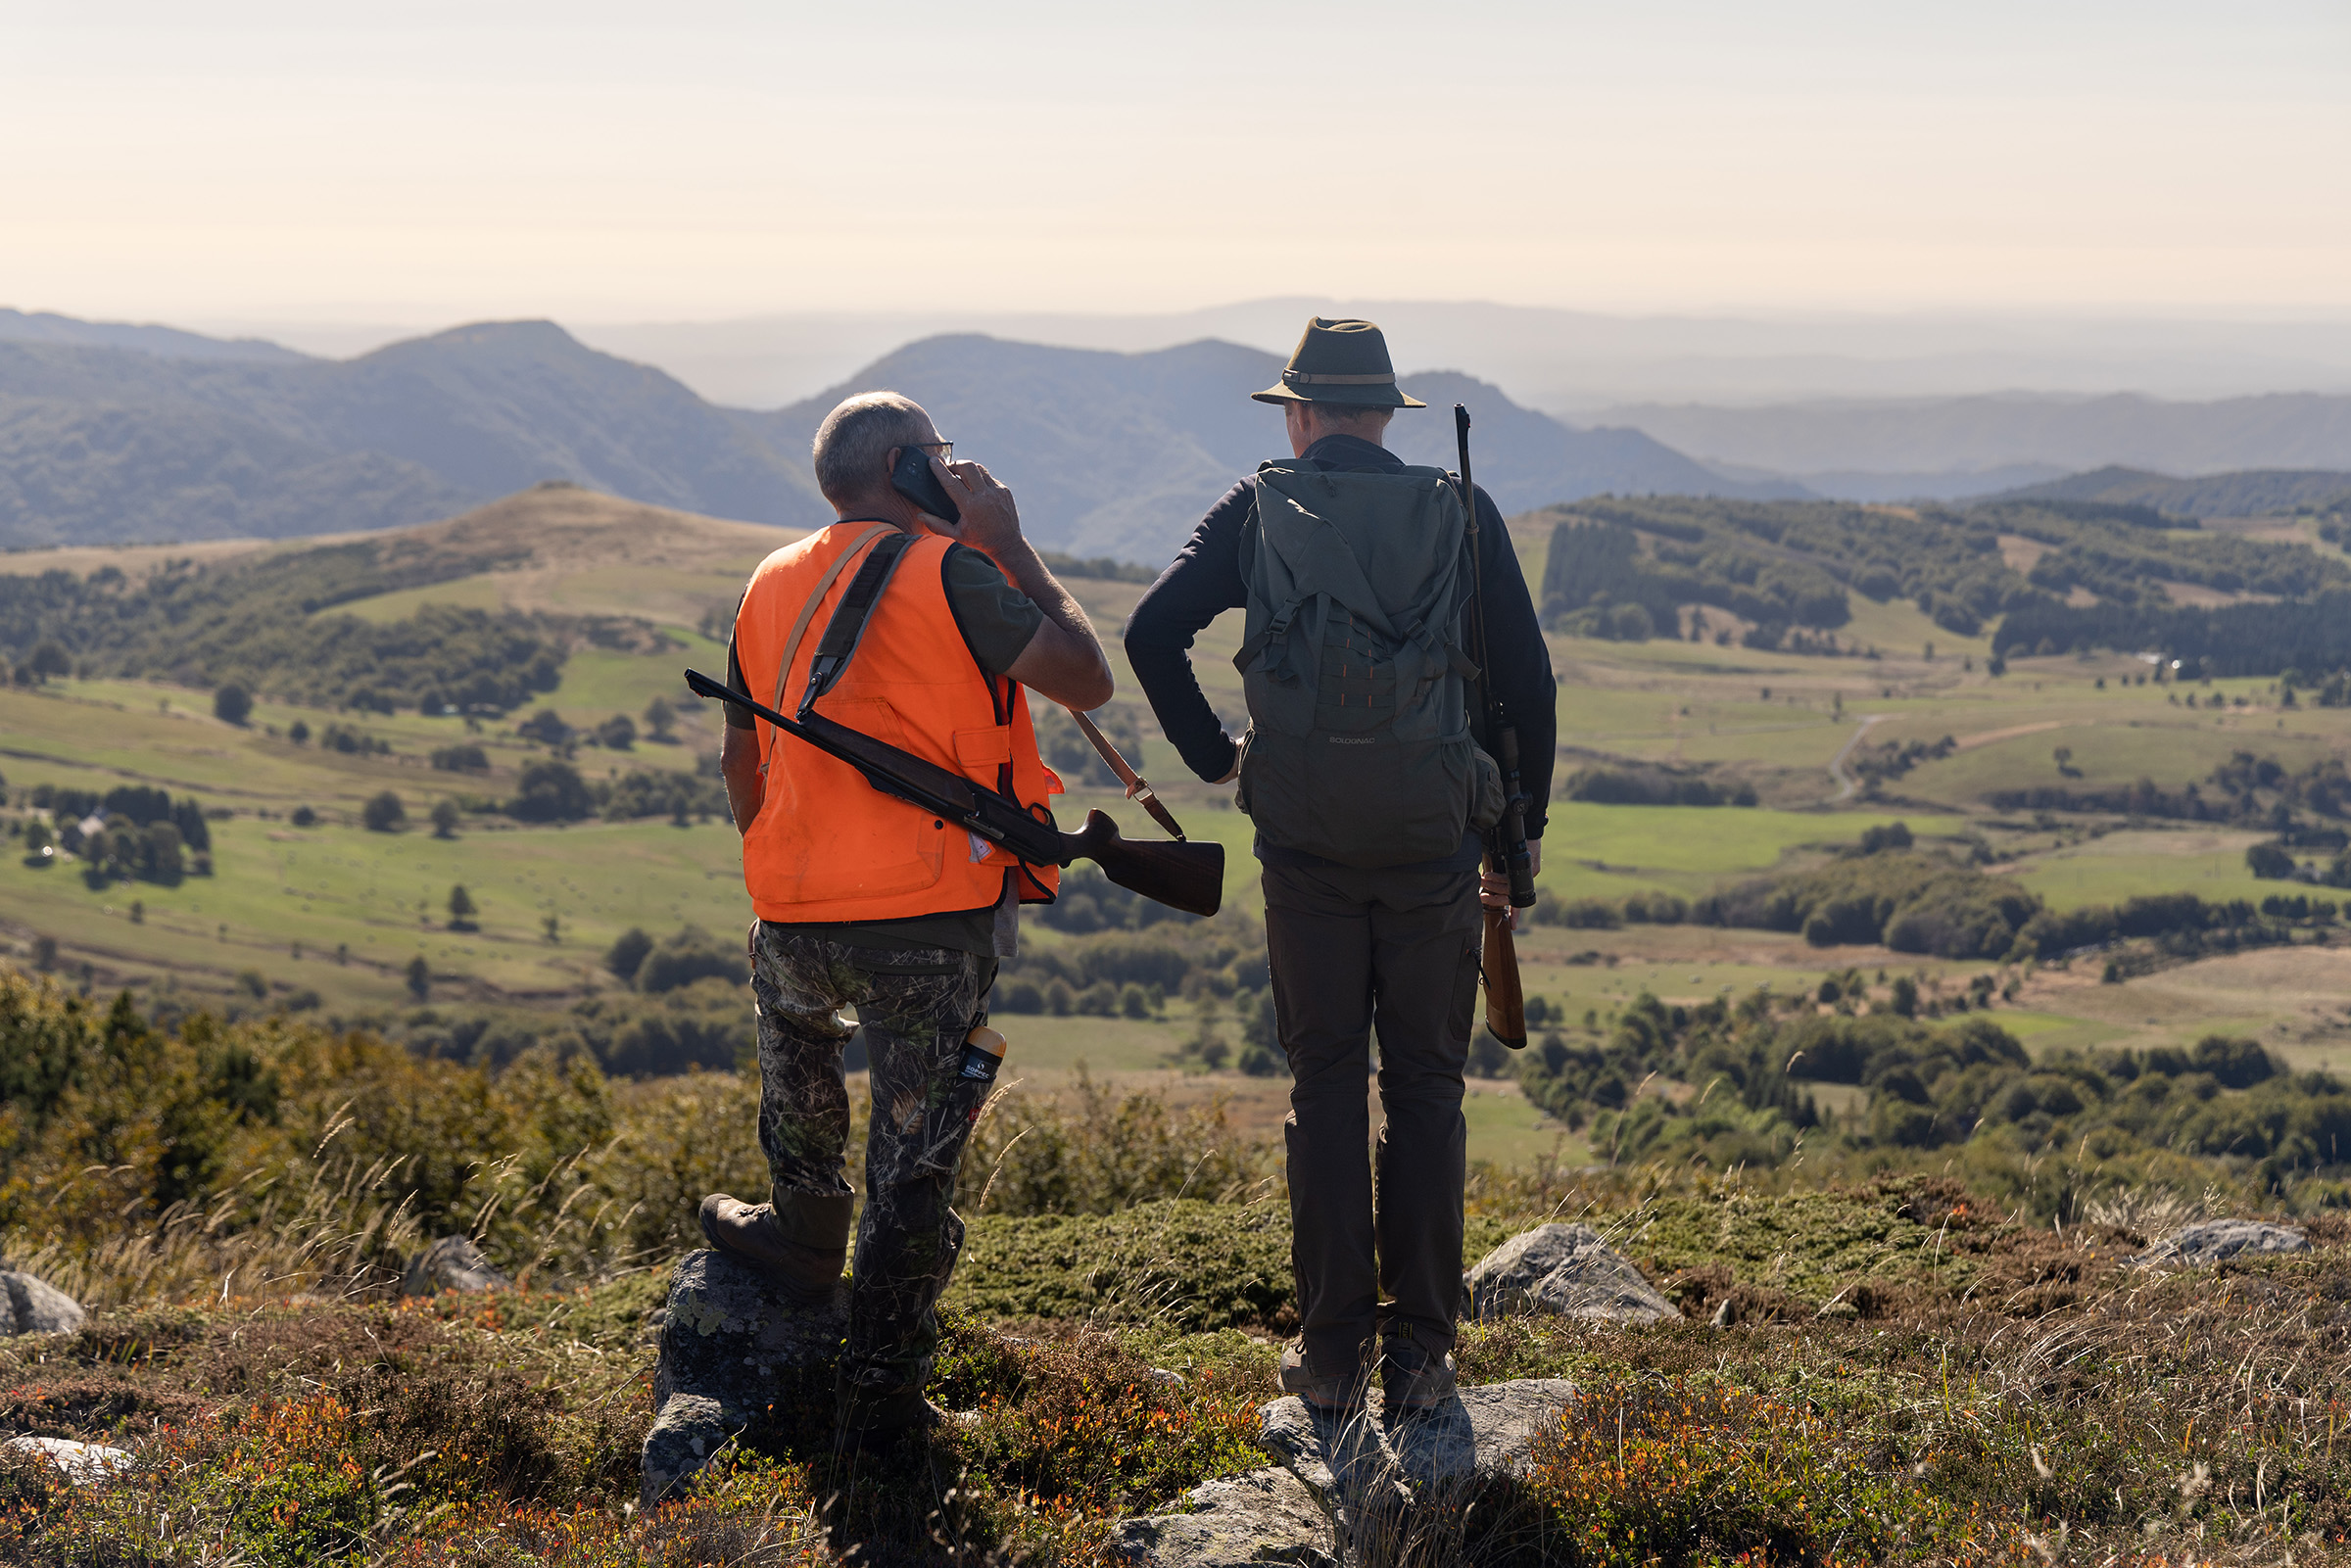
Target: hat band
{"x":1301,"y":376}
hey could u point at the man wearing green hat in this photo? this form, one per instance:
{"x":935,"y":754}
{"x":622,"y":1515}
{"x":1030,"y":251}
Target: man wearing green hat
{"x":1367,"y":794}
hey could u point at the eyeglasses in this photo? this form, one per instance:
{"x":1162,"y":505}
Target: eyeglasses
{"x":941,"y":449}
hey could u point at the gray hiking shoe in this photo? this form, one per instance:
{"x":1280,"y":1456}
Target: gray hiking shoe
{"x":1330,"y":1394}
{"x":1411,"y":1377}
{"x":807,"y":1277}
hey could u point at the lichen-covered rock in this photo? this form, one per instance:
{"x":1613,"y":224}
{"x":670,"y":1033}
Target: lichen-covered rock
{"x":1564,"y":1270}
{"x":1245,"y":1521}
{"x":82,"y":1463}
{"x":2201,"y":1246}
{"x":1374,"y":1475}
{"x":734,"y":1358}
{"x":454,"y":1263}
{"x":33,"y":1306}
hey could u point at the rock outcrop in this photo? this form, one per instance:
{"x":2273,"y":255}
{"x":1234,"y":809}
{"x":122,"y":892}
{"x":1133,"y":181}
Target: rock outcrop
{"x":2201,"y":1246}
{"x":734,"y":1358}
{"x":81,"y":1462}
{"x":1564,"y":1270}
{"x":29,"y":1305}
{"x":1245,"y":1521}
{"x":454,"y":1263}
{"x":1397,"y":1486}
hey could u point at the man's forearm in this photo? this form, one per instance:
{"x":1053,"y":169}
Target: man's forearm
{"x":738,"y":769}
{"x":1028,"y":574}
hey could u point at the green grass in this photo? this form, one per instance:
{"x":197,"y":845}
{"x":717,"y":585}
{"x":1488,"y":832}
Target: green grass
{"x":2209,"y":863}
{"x":1697,"y":840}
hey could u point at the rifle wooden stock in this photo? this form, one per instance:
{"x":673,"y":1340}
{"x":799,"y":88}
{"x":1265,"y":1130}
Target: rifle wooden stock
{"x":1506,"y":1000}
{"x":1189,"y":876}
{"x":1506,"y":841}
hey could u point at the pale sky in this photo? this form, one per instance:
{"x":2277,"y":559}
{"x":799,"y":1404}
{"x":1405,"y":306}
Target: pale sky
{"x":430,"y":162}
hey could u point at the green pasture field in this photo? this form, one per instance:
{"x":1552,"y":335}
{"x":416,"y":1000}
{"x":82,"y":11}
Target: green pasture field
{"x":1665,"y":701}
{"x":2207,"y":862}
{"x":285,"y":901}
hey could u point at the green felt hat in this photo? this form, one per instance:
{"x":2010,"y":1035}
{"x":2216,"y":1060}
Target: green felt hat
{"x":1340,"y":361}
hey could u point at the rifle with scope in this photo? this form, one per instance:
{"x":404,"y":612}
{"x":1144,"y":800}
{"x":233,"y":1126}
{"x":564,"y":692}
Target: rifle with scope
{"x":1184,"y":874}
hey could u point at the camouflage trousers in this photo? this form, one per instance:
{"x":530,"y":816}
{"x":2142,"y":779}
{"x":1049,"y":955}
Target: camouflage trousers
{"x":916,"y":1005}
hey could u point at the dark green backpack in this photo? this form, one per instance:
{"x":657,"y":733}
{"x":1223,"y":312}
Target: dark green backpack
{"x":1356,"y":670}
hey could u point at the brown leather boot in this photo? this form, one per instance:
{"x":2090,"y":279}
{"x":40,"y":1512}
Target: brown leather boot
{"x":800,"y":1252}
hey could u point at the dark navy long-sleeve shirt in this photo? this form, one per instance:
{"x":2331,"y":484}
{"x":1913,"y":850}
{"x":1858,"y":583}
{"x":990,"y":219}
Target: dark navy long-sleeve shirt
{"x":1205,"y":579}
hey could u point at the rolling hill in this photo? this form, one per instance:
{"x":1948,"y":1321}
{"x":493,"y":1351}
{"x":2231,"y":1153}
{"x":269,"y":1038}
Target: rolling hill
{"x":1921,"y":438}
{"x":113,"y":443}
{"x":1121,"y":454}
{"x":109,"y":437}
{"x":169,"y":343}
{"x":2255,"y":492}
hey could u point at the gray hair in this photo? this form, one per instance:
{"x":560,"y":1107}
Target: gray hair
{"x":855,"y":439}
{"x":1353,"y":418}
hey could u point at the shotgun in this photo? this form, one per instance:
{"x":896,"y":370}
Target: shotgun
{"x":1189,"y":876}
{"x":1506,"y":841}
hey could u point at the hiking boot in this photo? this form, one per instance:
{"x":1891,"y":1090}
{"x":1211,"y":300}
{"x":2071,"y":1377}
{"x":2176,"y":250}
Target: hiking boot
{"x":1331,"y":1394}
{"x":805,"y":1275}
{"x":1412,"y":1378}
{"x":869,"y":1428}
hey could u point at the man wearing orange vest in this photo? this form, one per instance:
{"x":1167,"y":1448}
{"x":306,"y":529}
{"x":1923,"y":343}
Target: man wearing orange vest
{"x":866,"y":901}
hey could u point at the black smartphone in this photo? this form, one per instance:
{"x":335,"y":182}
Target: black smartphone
{"x":915,"y":479}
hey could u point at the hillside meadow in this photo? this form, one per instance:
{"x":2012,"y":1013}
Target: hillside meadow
{"x":1884,"y":1081}
{"x":327,"y":913}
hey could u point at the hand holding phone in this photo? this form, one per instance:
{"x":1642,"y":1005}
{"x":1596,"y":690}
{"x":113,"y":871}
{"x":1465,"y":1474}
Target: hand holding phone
{"x":915,"y":479}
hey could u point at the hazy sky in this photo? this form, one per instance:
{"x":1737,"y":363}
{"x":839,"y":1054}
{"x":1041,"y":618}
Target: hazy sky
{"x":424,"y":161}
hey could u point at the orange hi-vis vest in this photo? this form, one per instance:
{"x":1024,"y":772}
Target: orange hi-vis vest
{"x":827,"y":845}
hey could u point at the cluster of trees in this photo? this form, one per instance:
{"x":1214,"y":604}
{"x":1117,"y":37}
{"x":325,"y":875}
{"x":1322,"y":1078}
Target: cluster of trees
{"x":1635,"y":785}
{"x":1600,"y":582}
{"x":2230,"y":639}
{"x":1623,"y":568}
{"x":252,"y":627}
{"x":2122,"y":553}
{"x":1887,"y":891}
{"x":1131,"y":957}
{"x":550,"y":789}
{"x":2309,"y":807}
{"x":1930,"y":1087}
{"x":145,"y":835}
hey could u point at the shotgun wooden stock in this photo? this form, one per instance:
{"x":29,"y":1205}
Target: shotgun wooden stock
{"x":1178,"y":875}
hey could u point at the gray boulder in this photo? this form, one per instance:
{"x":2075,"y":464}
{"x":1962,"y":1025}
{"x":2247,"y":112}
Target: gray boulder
{"x":1244,"y":1521}
{"x":2202,"y":1246}
{"x":454,"y":1263}
{"x":82,"y":1463}
{"x":734,"y":1358}
{"x":1412,"y":1477}
{"x":1564,"y":1269}
{"x":33,"y":1306}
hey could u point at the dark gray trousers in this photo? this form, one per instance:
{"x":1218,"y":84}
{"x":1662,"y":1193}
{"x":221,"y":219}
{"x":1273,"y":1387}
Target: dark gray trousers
{"x":1354,"y":951}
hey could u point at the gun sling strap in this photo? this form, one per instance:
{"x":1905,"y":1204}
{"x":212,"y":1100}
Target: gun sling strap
{"x":843,"y":631}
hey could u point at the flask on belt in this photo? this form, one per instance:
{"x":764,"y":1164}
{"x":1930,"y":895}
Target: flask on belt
{"x":982,"y":1053}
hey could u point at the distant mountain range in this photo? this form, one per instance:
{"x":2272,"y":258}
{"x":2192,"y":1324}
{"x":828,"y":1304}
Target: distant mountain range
{"x":2252,"y":494}
{"x":121,"y":433}
{"x":17,"y":326}
{"x":1572,"y":363}
{"x":1947,"y":446}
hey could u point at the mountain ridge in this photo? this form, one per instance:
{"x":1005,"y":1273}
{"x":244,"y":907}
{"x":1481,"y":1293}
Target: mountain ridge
{"x":1112,"y":454}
